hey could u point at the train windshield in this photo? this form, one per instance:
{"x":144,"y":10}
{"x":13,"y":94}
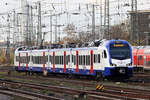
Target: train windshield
{"x":120,"y":51}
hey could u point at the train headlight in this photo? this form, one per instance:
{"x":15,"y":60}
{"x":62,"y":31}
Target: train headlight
{"x":129,"y":64}
{"x":113,"y":65}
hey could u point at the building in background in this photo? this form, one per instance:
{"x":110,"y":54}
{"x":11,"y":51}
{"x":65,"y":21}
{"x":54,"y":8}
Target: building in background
{"x":143,"y":26}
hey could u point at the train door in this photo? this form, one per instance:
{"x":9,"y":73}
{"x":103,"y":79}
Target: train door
{"x":70,"y":60}
{"x":30,"y":61}
{"x":45,"y":60}
{"x":104,"y":59}
{"x":97,"y":60}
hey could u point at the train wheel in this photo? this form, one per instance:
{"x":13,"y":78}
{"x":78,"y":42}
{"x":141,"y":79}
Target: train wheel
{"x":99,"y":76}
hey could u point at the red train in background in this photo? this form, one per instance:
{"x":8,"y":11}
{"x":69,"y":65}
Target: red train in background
{"x":141,"y":57}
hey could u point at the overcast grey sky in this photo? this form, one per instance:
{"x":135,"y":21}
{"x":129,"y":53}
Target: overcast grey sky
{"x":117,"y":9}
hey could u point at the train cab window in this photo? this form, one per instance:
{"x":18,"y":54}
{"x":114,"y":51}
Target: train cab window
{"x":105,"y":54}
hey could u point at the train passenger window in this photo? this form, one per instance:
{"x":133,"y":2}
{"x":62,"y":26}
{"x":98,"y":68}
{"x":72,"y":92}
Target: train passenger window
{"x":99,"y":57}
{"x":50,"y":58}
{"x":62,"y":59}
{"x":79,"y":60}
{"x":140,"y":57}
{"x":94,"y":58}
{"x":87,"y":59}
{"x":105,"y":55}
{"x":84,"y":60}
{"x":20,"y":59}
{"x":28,"y":59}
{"x":36,"y":59}
{"x":23,"y":59}
{"x":68,"y":58}
{"x":40,"y":60}
{"x":33,"y":59}
{"x":59,"y":61}
{"x":56,"y":59}
{"x":74,"y":60}
{"x":46,"y":58}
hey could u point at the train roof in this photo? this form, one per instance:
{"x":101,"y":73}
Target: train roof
{"x":92,"y":46}
{"x":141,"y":49}
{"x":62,"y":49}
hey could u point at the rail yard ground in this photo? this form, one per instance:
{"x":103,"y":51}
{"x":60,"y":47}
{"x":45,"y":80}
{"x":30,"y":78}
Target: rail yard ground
{"x":58,"y":87}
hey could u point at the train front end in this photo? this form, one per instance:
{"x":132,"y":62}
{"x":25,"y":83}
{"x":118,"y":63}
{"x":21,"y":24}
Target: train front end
{"x":120,"y":59}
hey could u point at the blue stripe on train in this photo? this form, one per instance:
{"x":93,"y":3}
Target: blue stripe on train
{"x":58,"y":70}
{"x":109,"y":71}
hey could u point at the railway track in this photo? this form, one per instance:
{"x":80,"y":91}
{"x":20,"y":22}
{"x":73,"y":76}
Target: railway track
{"x":115,"y":92}
{"x":110,"y":92}
{"x":26,"y":94}
{"x":89,"y":93}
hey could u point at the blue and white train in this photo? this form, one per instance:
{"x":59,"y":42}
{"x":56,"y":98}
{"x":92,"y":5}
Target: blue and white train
{"x":110,"y":58}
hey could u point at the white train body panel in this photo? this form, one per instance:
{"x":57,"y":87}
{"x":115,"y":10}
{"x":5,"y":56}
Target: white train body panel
{"x":104,"y":60}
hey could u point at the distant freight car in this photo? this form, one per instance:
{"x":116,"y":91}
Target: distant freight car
{"x":109,"y":58}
